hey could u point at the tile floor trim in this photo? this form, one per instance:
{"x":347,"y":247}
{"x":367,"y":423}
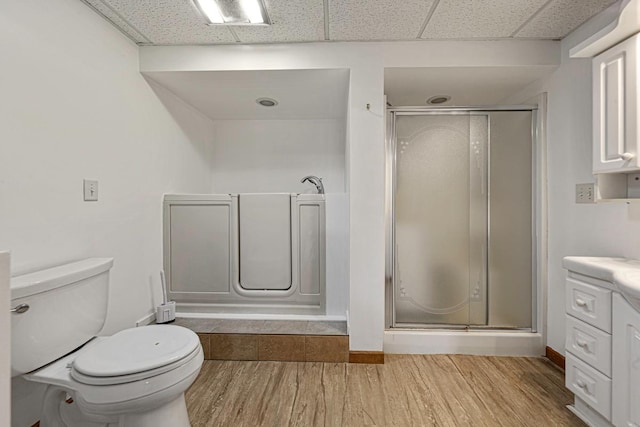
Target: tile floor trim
{"x":275,"y":347}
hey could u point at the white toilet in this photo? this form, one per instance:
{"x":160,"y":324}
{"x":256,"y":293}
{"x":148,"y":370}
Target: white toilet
{"x":136,"y":377}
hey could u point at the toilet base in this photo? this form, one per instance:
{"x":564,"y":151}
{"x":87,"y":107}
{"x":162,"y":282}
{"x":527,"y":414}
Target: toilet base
{"x":171,"y":414}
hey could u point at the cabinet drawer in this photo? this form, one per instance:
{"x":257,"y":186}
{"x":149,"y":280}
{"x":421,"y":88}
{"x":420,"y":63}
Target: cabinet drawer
{"x":589,"y":344}
{"x":589,"y":304}
{"x":589,"y":385}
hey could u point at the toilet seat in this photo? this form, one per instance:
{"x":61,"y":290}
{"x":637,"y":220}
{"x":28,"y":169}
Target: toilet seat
{"x":135,"y":354}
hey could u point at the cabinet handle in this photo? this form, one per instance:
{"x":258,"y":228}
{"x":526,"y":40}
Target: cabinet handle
{"x":583,"y":386}
{"x":19,"y":309}
{"x":582,"y":303}
{"x":583,"y":344}
{"x":627,"y":156}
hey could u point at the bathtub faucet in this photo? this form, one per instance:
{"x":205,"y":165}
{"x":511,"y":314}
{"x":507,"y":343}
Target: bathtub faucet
{"x":315,"y":181}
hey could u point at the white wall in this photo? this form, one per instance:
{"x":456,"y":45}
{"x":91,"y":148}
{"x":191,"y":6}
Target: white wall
{"x":75,"y":106}
{"x":365,"y":135}
{"x":605,"y":229}
{"x":271,"y":156}
{"x":5,"y":341}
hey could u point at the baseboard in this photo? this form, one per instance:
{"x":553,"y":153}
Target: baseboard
{"x":480,"y":343}
{"x":146,"y":320}
{"x":555,"y":357}
{"x":372,"y":357}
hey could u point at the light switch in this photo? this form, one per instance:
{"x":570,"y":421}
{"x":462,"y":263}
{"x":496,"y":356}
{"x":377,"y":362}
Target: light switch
{"x":90,"y":190}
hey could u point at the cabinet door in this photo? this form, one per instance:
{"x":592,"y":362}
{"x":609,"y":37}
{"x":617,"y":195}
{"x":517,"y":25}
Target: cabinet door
{"x":626,"y":363}
{"x":615,"y":133}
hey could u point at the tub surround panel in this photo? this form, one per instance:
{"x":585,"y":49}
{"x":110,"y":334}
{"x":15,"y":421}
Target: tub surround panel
{"x":269,"y":252}
{"x":264,"y":222}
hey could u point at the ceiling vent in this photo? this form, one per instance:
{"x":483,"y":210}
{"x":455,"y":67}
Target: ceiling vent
{"x":267,"y":102}
{"x":438,"y":99}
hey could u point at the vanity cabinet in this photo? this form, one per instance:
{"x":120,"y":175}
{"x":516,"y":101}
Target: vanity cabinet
{"x":626,"y":363}
{"x":615,"y":108}
{"x":602,"y":343}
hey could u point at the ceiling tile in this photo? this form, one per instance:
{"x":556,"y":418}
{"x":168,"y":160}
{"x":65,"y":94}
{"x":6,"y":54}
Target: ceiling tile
{"x":169,"y":21}
{"x":560,"y":17}
{"x":292,"y":21}
{"x":377,"y":19}
{"x":466,"y":19}
{"x":112,"y":16}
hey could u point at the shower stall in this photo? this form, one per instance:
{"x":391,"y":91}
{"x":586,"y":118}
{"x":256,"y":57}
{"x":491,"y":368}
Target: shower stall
{"x":461,"y":226}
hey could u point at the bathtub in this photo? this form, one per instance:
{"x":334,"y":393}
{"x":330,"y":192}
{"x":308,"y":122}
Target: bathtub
{"x":245,"y":253}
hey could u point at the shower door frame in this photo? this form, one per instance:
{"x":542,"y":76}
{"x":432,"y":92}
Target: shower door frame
{"x":538,"y":219}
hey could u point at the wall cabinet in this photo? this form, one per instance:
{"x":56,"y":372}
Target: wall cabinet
{"x":615,"y":108}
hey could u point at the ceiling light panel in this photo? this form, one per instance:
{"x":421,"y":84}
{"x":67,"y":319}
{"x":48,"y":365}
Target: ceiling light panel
{"x":169,"y":21}
{"x":377,"y":19}
{"x":467,"y":19}
{"x":233,"y":12}
{"x":561,"y":17}
{"x":292,"y":21}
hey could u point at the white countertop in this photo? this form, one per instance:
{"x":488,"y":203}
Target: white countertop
{"x":623,"y":273}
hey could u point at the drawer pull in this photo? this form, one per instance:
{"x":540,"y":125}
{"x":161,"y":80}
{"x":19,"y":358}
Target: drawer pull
{"x":582,"y":303}
{"x":584,"y":345}
{"x":584,"y":386}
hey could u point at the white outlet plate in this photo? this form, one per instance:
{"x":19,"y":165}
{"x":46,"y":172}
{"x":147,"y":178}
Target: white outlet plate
{"x":90,"y":190}
{"x":633,"y":185}
{"x":586,"y":193}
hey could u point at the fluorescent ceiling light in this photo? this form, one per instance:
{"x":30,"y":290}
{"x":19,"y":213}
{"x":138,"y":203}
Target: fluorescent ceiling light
{"x":233,"y":12}
{"x":253,"y":10}
{"x":211,"y":11}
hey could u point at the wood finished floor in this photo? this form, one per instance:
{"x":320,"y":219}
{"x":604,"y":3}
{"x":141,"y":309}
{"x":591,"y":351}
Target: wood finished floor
{"x":408,"y":390}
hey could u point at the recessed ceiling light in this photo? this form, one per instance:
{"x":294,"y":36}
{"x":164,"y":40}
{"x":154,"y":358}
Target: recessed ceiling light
{"x":267,"y":102}
{"x":438,"y":99}
{"x":233,"y":12}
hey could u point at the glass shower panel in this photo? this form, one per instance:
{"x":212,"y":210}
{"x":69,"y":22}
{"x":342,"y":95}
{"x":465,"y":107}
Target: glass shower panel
{"x":440,"y":219}
{"x":511,"y":242}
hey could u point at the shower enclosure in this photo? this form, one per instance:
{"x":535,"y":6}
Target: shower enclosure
{"x":460,"y":232}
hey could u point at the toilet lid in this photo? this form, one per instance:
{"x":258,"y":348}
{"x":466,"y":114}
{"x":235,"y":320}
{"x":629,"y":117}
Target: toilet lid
{"x":136,"y":350}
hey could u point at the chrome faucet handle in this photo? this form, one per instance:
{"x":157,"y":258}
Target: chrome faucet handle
{"x":315,"y":181}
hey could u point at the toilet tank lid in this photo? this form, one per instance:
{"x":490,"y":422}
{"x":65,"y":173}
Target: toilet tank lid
{"x":55,"y":277}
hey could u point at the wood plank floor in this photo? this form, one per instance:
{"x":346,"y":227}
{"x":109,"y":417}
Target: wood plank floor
{"x":408,"y":390}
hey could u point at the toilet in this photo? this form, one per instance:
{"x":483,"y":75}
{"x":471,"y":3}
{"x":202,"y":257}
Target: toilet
{"x":136,"y":377}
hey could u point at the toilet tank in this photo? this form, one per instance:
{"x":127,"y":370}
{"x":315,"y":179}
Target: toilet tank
{"x":67,"y":307}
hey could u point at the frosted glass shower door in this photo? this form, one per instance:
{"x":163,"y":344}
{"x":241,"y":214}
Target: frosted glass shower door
{"x":440,"y":214}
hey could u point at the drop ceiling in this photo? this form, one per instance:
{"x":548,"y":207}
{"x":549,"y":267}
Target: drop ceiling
{"x":176,"y":22}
